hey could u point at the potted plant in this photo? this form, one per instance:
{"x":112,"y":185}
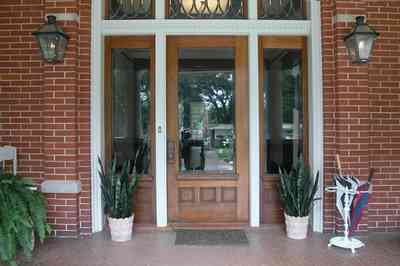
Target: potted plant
{"x":118,"y":185}
{"x":297,"y":192}
{"x":23,"y":215}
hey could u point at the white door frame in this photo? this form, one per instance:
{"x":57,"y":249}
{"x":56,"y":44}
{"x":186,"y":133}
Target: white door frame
{"x":160,"y":28}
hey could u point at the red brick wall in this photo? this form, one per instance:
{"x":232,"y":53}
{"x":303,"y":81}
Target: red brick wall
{"x":45,"y":108}
{"x":362,"y":109}
{"x":384,"y":88}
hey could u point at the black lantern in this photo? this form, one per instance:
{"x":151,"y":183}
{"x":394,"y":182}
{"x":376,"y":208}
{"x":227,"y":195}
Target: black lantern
{"x":360,"y":41}
{"x":52,"y":40}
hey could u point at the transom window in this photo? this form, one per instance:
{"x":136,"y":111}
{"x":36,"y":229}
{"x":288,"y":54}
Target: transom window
{"x":205,"y":9}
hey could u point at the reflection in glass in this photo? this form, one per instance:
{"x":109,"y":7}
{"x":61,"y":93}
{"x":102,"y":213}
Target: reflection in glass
{"x":131,"y":106}
{"x":206,"y":109}
{"x":282,"y":9}
{"x":210,"y":9}
{"x":283,"y":108}
{"x":130,"y":9}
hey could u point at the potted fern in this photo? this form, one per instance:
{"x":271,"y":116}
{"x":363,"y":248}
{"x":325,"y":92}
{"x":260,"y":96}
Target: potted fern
{"x":23,"y":216}
{"x":297,"y":192}
{"x":117,"y":186}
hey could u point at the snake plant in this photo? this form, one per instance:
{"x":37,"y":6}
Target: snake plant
{"x":22,"y":211}
{"x":297,"y":190}
{"x":117,"y":186}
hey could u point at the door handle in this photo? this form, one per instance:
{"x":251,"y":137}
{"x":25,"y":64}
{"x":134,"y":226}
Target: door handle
{"x":171,"y":151}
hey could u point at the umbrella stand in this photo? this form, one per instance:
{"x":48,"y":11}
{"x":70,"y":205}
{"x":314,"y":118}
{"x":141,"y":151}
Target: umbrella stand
{"x":347,"y":194}
{"x":345,"y":241}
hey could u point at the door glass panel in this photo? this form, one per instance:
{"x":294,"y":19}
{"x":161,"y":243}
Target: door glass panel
{"x":131,"y":106}
{"x":283,"y":108}
{"x":206,"y":86}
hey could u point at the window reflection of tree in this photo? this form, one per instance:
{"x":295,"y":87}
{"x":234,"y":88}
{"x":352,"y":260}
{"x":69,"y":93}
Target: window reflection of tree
{"x":215,"y":91}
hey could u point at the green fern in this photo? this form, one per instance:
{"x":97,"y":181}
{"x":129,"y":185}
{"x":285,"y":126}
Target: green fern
{"x":22,"y":211}
{"x":297,"y":190}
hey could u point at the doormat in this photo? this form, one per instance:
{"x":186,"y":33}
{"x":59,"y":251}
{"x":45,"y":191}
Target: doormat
{"x":211,"y":237}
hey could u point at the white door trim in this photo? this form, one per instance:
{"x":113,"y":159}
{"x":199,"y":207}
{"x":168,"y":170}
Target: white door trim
{"x":254,"y":132}
{"x":161,"y":129}
{"x":96,"y":113}
{"x":316,"y":115}
{"x":161,"y":27}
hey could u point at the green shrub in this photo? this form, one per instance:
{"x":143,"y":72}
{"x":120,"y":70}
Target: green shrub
{"x":22,"y":211}
{"x":118,"y":186}
{"x":297,"y":190}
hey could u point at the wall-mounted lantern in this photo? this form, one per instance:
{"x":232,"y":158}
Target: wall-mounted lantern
{"x":52,"y":40}
{"x":360,"y":42}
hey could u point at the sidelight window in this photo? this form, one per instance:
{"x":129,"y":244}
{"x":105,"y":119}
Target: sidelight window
{"x":131,"y":106}
{"x":283,"y":108}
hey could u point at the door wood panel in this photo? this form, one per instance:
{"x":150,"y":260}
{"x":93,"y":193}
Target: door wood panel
{"x":207,"y":197}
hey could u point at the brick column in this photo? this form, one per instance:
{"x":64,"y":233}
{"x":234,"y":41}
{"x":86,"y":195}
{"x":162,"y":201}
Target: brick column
{"x":347,"y":106}
{"x":83,"y":114}
{"x":60,"y":127}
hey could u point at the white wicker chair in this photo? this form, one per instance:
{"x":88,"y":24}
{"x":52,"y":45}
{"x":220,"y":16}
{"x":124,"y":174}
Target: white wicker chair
{"x":9,"y":153}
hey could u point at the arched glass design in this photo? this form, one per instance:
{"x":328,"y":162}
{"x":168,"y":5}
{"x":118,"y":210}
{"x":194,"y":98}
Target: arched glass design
{"x":130,"y":9}
{"x":281,"y":9}
{"x":206,"y":9}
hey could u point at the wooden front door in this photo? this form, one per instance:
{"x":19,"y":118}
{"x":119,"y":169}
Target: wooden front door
{"x":283,"y":116}
{"x":207,"y":128}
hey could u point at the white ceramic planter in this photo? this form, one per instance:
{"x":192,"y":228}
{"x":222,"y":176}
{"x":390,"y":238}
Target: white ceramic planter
{"x":121,"y":229}
{"x":296,"y":227}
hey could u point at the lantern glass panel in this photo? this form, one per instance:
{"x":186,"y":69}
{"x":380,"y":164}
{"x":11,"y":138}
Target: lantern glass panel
{"x":48,"y":43}
{"x":352,"y":48}
{"x":61,"y":47}
{"x":364,"y":43}
{"x":352,"y":53}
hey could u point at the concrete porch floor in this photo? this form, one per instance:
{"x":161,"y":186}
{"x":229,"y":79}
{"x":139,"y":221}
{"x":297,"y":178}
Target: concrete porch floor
{"x":268,"y":247}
